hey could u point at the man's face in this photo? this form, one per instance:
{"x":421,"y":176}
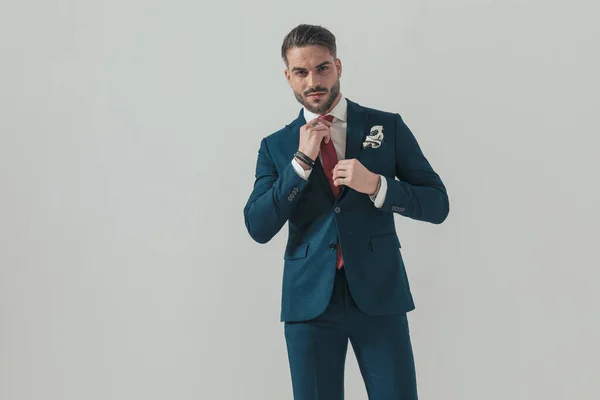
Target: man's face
{"x":314,"y":76}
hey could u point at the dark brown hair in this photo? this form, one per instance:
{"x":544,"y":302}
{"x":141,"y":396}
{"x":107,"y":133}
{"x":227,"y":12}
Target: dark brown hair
{"x":308,"y":35}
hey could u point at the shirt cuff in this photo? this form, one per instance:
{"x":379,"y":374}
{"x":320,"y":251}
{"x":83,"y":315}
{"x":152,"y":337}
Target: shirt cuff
{"x":300,"y":171}
{"x":379,"y":198}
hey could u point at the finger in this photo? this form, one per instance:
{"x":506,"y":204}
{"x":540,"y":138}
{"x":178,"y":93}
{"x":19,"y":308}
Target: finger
{"x":320,"y":127}
{"x":317,"y":127}
{"x":323,"y":121}
{"x":340,"y":182}
{"x":317,"y":121}
{"x":341,"y":167}
{"x":339,"y":174}
{"x":326,"y":135}
{"x":346,"y":163}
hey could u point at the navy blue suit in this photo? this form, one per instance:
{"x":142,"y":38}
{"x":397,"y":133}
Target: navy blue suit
{"x":367,"y":300}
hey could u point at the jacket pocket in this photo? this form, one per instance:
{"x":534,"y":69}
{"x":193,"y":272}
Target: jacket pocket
{"x":386,"y":241}
{"x":296,"y":251}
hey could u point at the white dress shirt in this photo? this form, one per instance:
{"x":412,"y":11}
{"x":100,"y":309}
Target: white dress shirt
{"x":338,"y":137}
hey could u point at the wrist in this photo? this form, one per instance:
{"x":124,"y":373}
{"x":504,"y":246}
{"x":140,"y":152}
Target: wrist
{"x":304,"y":166}
{"x":377,"y":185}
{"x":306,"y":161}
{"x":310,"y":154}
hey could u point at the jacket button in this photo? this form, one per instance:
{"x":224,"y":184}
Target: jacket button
{"x":337,"y":210}
{"x":332,"y":246}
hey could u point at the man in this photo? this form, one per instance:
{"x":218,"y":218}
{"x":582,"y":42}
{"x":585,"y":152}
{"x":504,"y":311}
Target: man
{"x":337,"y":174}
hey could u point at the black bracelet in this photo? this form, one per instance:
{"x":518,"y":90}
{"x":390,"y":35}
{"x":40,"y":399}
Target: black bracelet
{"x":306,"y":159}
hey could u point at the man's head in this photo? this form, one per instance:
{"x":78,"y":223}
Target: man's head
{"x":312,"y":68}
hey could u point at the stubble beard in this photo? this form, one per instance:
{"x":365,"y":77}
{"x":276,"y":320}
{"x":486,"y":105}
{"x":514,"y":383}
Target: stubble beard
{"x":324,"y":106}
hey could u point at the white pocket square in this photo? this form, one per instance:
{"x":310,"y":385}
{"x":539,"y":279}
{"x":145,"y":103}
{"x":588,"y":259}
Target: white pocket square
{"x":374,"y":138}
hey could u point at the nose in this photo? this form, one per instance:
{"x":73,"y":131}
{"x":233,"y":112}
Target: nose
{"x":312,"y":82}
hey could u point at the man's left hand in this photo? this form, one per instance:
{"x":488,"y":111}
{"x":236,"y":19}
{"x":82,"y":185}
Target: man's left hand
{"x":353,"y":174}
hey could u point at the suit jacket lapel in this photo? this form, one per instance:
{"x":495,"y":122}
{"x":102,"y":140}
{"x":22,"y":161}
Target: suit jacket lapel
{"x":355,"y":129}
{"x":355,"y":134}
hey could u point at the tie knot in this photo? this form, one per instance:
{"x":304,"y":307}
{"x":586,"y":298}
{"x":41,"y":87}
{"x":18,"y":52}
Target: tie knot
{"x":327,"y":117}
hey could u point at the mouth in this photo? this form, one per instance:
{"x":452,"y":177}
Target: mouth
{"x":317,"y":94}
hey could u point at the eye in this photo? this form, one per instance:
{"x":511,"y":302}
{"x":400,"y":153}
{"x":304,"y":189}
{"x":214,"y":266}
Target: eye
{"x":300,"y":73}
{"x":323,"y":68}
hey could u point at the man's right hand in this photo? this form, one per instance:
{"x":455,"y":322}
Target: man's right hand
{"x":311,"y":136}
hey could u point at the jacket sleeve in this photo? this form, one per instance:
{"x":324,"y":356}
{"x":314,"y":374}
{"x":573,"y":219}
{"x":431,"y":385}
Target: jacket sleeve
{"x":418,"y":193}
{"x":273,"y":198}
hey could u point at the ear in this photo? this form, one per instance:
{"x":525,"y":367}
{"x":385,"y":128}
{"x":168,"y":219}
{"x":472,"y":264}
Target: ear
{"x":338,"y":66}
{"x":288,"y":77}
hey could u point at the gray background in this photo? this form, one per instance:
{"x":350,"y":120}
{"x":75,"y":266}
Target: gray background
{"x":129,"y":136}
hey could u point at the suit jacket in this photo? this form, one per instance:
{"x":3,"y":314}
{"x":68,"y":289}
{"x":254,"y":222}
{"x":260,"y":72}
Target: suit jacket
{"x":316,"y":220}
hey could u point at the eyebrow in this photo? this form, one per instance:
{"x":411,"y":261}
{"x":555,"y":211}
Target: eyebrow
{"x":304,"y":69}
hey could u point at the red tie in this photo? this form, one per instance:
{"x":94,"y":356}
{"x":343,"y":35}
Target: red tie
{"x":330,"y":159}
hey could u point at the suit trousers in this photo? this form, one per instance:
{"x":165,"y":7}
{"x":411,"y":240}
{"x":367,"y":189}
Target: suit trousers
{"x":317,"y":351}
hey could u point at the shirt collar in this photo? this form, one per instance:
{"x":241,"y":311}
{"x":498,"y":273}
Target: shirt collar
{"x":340,"y":111}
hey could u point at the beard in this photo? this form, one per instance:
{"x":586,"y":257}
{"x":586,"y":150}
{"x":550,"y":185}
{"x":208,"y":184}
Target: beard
{"x":327,"y":102}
